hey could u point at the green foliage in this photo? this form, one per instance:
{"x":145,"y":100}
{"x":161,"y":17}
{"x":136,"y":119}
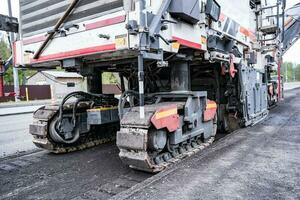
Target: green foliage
{"x":109,"y":78}
{"x":4,"y":55}
{"x":8,"y":77}
{"x":290,"y":72}
{"x":4,"y":50}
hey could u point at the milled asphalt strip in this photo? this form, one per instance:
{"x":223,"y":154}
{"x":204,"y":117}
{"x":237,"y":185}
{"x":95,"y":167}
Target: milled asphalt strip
{"x":128,"y":193}
{"x":22,"y":154}
{"x":214,"y":147}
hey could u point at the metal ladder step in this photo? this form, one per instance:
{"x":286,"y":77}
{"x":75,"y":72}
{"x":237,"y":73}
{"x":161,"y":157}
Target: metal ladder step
{"x":268,"y":29}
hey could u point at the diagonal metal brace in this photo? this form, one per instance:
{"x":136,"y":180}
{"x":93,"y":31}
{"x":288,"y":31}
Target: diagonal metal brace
{"x":50,"y":36}
{"x":156,"y":22}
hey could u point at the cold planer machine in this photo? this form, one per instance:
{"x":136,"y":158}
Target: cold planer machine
{"x":185,"y":71}
{"x":179,"y":123}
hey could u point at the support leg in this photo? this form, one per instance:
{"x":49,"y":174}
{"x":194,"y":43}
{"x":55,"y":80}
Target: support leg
{"x":94,"y":83}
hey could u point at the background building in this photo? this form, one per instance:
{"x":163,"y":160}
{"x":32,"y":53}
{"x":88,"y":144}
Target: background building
{"x":62,"y":83}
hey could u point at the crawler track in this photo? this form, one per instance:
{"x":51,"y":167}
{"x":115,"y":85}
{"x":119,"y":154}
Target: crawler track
{"x":94,"y":138}
{"x":142,"y":160}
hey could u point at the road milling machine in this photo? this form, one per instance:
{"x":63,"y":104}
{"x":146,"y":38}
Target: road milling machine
{"x":187,"y":68}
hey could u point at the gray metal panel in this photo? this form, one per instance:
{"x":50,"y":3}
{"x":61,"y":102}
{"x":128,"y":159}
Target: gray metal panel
{"x":188,"y":10}
{"x":255,"y":91}
{"x":292,"y":32}
{"x":98,"y":117}
{"x":264,"y":97}
{"x":40,"y":16}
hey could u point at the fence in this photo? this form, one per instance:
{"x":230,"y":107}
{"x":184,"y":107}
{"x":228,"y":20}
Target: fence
{"x":41,"y":92}
{"x":35,"y":92}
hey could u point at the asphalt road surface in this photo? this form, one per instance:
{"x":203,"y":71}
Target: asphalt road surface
{"x":96,"y":173}
{"x":260,"y":162}
{"x":14,"y":134}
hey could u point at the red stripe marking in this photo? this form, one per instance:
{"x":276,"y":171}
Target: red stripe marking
{"x":245,"y":31}
{"x":14,"y":53}
{"x":187,"y":43}
{"x":242,"y":30}
{"x":98,"y":24}
{"x":170,"y":122}
{"x":222,"y":17}
{"x":34,"y":40}
{"x":74,"y":53}
{"x":252,"y":36}
{"x":105,"y":22}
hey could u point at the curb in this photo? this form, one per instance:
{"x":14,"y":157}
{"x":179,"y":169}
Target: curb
{"x":24,"y":104}
{"x":13,"y":111}
{"x":19,"y":113}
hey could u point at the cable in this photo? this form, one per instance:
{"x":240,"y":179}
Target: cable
{"x":94,"y":99}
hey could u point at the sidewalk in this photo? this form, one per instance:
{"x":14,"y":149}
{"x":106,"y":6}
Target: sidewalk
{"x":18,"y":110}
{"x":13,"y":104}
{"x":13,"y":108}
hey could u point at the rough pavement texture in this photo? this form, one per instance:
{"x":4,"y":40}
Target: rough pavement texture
{"x":260,"y":162}
{"x":96,"y":173}
{"x":14,"y":134}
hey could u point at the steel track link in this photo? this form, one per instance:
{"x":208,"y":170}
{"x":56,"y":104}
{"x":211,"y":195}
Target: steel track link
{"x":86,"y":141}
{"x":142,"y":160}
{"x":56,"y":149}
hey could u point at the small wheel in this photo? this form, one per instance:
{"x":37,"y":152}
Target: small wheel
{"x":56,"y":136}
{"x":181,"y":150}
{"x":157,"y":160}
{"x":194,"y":144}
{"x":174,"y":153}
{"x":166,"y":157}
{"x":157,"y":140}
{"x":188,"y":147}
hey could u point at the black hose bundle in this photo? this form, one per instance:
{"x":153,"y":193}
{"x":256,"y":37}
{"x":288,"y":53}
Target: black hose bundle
{"x":93,"y":99}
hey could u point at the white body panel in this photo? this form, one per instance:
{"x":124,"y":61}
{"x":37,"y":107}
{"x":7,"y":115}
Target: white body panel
{"x":237,"y":21}
{"x":78,"y":42}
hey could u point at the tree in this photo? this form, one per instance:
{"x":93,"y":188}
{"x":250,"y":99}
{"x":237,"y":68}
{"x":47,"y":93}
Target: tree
{"x":290,"y":72}
{"x":109,"y":78}
{"x":5,"y":53}
{"x":297,"y":72}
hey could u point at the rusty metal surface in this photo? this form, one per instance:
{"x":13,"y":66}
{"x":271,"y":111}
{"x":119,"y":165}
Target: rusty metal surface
{"x":132,"y":138}
{"x":38,"y":129}
{"x":44,"y":115}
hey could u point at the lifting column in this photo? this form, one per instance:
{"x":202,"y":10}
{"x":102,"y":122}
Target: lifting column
{"x":94,"y":83}
{"x":180,"y":76}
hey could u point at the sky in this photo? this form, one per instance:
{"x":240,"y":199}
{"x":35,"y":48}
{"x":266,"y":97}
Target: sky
{"x":293,"y":54}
